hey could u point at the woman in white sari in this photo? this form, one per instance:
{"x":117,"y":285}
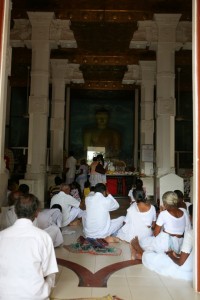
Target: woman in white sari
{"x":170,"y":227}
{"x":140,"y":219}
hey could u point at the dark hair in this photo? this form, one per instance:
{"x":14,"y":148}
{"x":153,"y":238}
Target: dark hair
{"x":27,"y":206}
{"x":87,"y":184}
{"x":100,"y":187}
{"x":139,"y":196}
{"x":139,"y":183}
{"x":57,"y":206}
{"x":24,"y":188}
{"x":179,"y":193}
{"x":57,"y":180}
{"x":190,"y":209}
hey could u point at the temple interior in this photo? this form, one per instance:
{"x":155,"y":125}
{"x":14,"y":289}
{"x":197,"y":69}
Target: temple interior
{"x":110,"y":77}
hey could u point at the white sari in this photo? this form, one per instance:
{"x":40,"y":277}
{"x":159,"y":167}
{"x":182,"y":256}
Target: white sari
{"x":137,"y":223}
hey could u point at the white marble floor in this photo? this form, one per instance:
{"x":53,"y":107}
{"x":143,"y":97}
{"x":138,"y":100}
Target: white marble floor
{"x":131,"y":283}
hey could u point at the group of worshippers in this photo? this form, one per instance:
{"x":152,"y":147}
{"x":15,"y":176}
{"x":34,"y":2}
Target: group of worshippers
{"x":161,"y":239}
{"x":96,"y":172}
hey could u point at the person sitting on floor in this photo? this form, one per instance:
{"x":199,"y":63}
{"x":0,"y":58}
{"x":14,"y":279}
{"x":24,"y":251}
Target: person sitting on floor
{"x":50,"y":220}
{"x":97,"y":222}
{"x":137,"y":187}
{"x":140,"y":219}
{"x":28,"y":262}
{"x":55,"y":189}
{"x":9,"y":216}
{"x":70,"y":207}
{"x":169,"y":229}
{"x":75,"y":191}
{"x":179,"y":266}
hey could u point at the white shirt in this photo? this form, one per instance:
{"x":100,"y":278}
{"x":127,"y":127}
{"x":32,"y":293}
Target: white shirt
{"x":66,"y":202}
{"x":97,"y":220}
{"x":8,"y":217}
{"x":26,"y":257}
{"x":170,"y":223}
{"x":48,"y":217}
{"x":187,"y":242}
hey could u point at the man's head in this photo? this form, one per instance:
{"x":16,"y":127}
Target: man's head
{"x":101,"y":188}
{"x":27,"y":206}
{"x":58,"y":206}
{"x":13,"y":197}
{"x":71,"y":153}
{"x":24,"y":188}
{"x":64,"y":187}
{"x":57,"y":180}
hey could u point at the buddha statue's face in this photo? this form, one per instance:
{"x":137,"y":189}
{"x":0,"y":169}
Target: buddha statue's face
{"x":102,"y":120}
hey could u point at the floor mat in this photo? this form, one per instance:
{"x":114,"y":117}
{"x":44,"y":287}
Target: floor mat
{"x":92,"y":246}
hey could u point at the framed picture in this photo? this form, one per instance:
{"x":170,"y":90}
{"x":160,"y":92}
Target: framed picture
{"x":102,"y":123}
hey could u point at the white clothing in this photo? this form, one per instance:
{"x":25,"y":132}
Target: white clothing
{"x":55,"y":234}
{"x":82,"y":178}
{"x":66,"y":202}
{"x":163,"y":264}
{"x":48,"y":217}
{"x":97,"y":222}
{"x":27,"y":257}
{"x":51,"y":220}
{"x":97,"y":178}
{"x":130,"y":194}
{"x":164,"y":241}
{"x":187,"y":204}
{"x":188,"y":225}
{"x":137,"y":223}
{"x":170,"y":223}
{"x":71,"y":165}
{"x":8,"y":217}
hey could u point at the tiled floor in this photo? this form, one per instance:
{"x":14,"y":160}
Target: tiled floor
{"x":130,"y":283}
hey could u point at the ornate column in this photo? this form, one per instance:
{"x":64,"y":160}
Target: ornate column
{"x":148,"y":71}
{"x":58,"y":68}
{"x":166,"y":105}
{"x":38,"y":102}
{"x":165,"y":108}
{"x":5,"y":68}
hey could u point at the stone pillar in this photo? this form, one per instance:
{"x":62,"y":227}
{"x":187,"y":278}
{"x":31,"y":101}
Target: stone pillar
{"x":165,"y":102}
{"x":39,"y":102}
{"x":165,"y":107}
{"x":57,"y":116}
{"x":5,"y":67}
{"x":148,"y":71}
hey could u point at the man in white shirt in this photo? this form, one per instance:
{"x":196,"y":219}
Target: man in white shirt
{"x":70,"y":168}
{"x":70,"y":205}
{"x":27,"y":258}
{"x":97,"y":222}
